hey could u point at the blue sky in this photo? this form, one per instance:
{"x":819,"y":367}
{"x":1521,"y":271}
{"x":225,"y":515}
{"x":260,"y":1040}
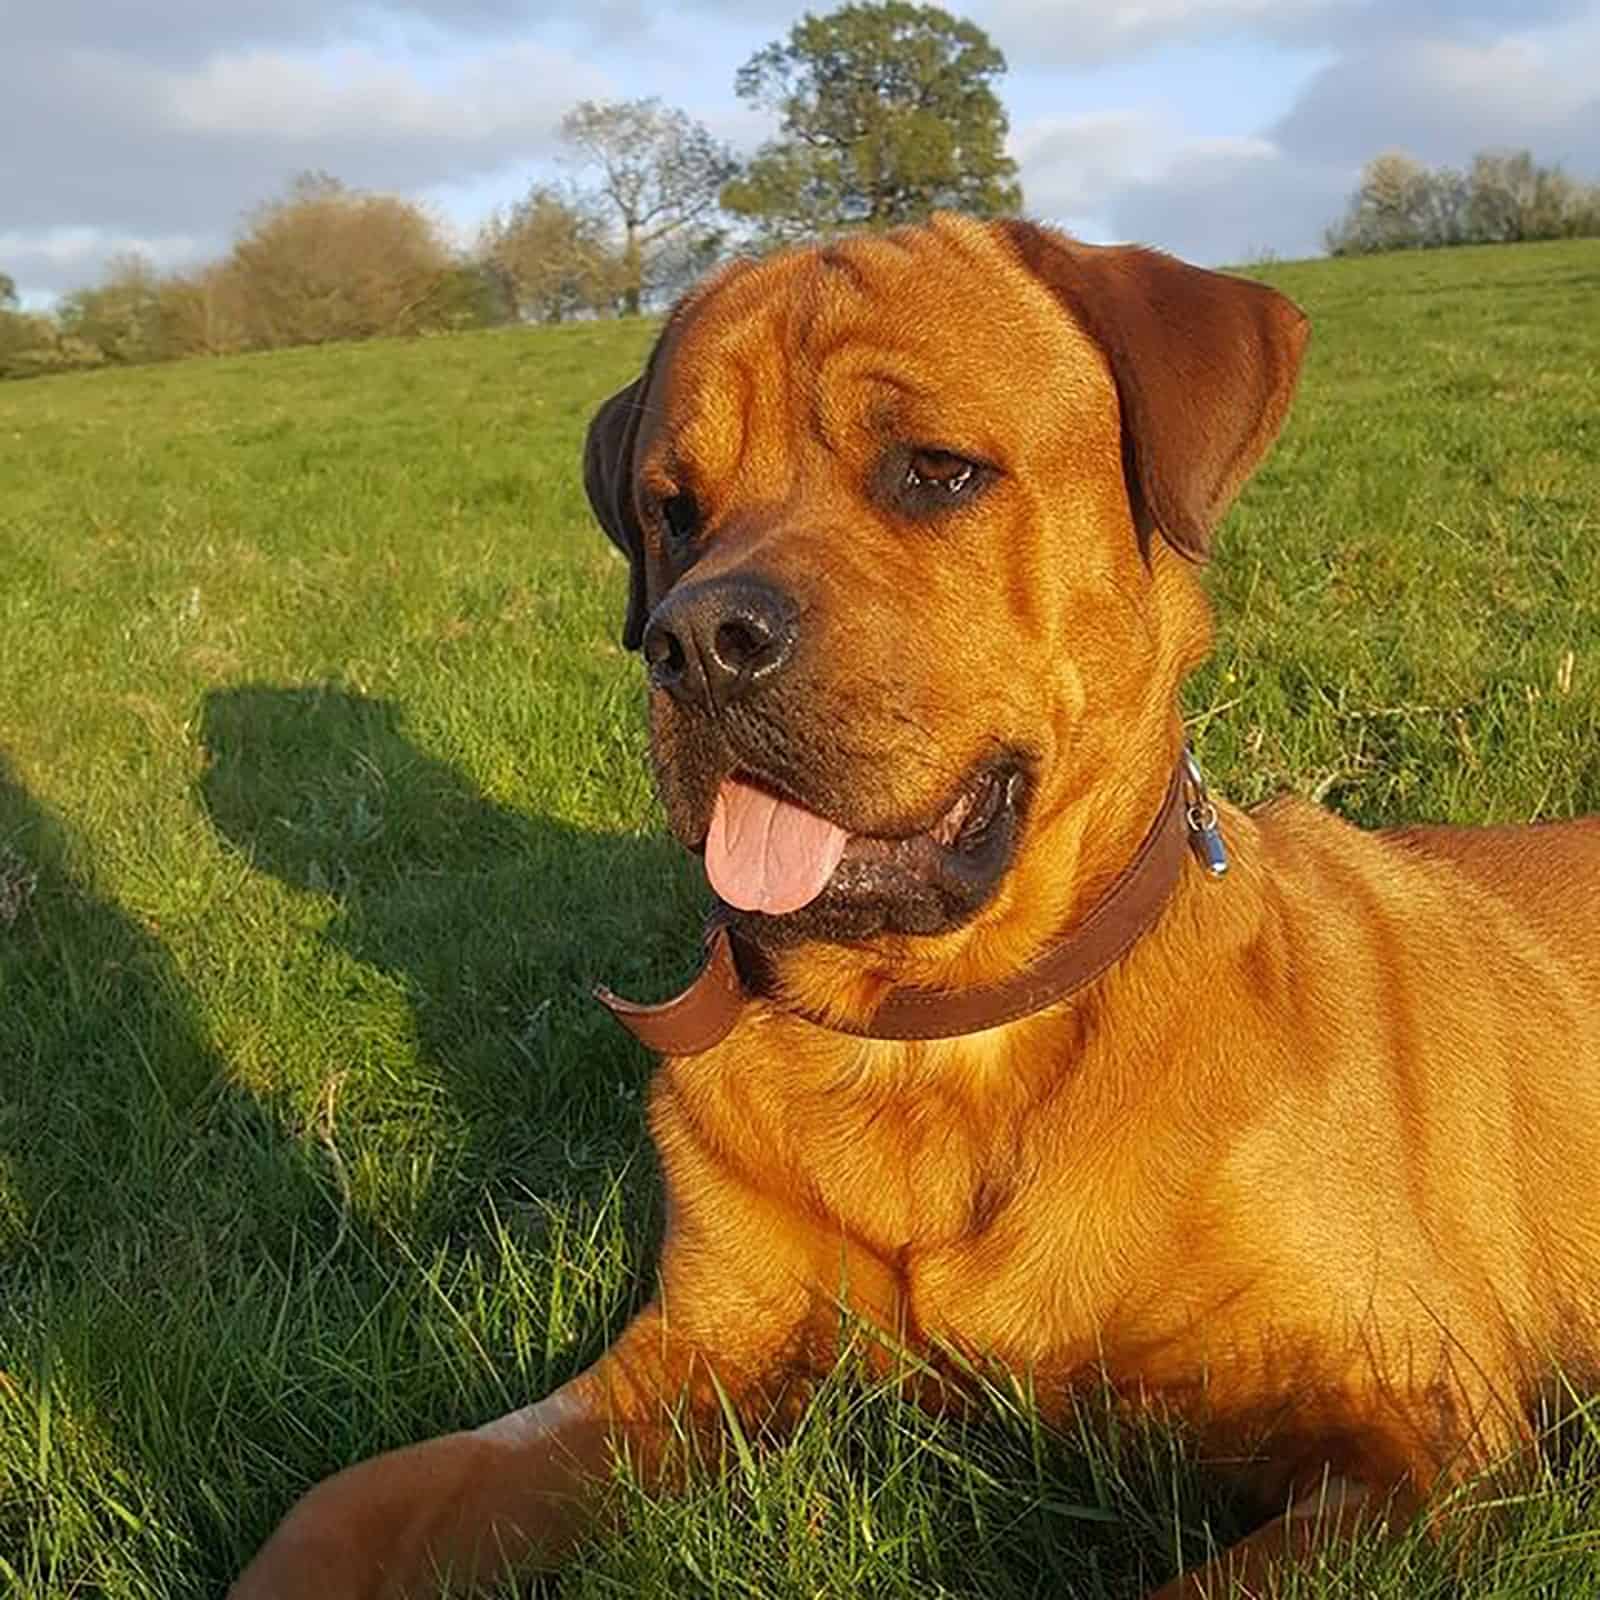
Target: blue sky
{"x":1221,"y":129}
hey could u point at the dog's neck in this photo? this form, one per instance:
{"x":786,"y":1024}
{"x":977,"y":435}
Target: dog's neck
{"x":707,"y":1011}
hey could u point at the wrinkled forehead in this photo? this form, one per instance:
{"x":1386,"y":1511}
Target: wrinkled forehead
{"x":938,"y":336}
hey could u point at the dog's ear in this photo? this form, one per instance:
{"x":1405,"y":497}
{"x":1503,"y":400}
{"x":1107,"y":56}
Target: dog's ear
{"x":1204,"y":364}
{"x":608,"y":481}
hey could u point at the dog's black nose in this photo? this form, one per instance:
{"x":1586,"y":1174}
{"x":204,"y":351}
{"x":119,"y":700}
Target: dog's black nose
{"x":709,"y":643}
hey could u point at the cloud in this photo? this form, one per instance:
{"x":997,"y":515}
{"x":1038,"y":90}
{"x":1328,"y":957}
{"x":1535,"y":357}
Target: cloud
{"x":1441,"y":101}
{"x":1229,"y":201}
{"x":104,"y":144}
{"x":1133,"y":175}
{"x":71,"y":247}
{"x":187,"y":30}
{"x":514,"y":97}
{"x":157,"y":126}
{"x":1071,"y":166}
{"x":1086,"y":32}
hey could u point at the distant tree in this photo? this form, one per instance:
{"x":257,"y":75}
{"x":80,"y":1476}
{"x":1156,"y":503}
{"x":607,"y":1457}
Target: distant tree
{"x":552,"y":254}
{"x":1384,"y":213}
{"x":1504,"y":197}
{"x":27,"y":345}
{"x":887,"y":112}
{"x":32,"y":344}
{"x":1505,"y":193}
{"x":120,"y":317}
{"x":202,"y":312}
{"x":683,"y":260}
{"x":1442,"y":209}
{"x":1513,"y":198}
{"x":473,"y":295}
{"x":327,"y":262}
{"x":1583,"y":215}
{"x":660,"y":172}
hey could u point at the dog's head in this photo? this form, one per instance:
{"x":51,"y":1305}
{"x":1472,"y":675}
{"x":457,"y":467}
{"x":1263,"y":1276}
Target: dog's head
{"x":910,"y":520}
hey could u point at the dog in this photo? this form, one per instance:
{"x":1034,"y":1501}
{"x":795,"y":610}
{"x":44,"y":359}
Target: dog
{"x":1012,"y":1041}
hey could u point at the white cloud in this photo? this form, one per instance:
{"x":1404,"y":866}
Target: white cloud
{"x":73,"y":247}
{"x":188,"y":30}
{"x":1222,"y":200}
{"x":122,"y":149}
{"x":46,"y":260}
{"x":1071,"y":166}
{"x":517,"y":92}
{"x":1442,"y":100}
{"x":157,"y":126}
{"x":1088,"y":31}
{"x":1231,"y":200}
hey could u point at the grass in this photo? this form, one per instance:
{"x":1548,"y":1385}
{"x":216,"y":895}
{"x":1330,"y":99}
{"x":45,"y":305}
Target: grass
{"x":322,"y":800}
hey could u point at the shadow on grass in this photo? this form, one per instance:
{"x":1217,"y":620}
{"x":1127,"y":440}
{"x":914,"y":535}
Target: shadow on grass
{"x":495,"y":924}
{"x":137,"y":1191}
{"x":194,"y":1322}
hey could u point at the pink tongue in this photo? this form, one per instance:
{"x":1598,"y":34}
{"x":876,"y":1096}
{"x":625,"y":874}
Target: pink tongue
{"x":763,"y":854}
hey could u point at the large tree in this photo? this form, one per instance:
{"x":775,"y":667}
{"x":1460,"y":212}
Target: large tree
{"x":660,"y":172}
{"x":888,"y":112}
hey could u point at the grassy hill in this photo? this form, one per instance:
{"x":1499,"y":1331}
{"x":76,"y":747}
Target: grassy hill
{"x":322,"y":800}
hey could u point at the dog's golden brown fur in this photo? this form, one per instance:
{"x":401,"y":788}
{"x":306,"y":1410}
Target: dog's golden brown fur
{"x":1317,"y":1163}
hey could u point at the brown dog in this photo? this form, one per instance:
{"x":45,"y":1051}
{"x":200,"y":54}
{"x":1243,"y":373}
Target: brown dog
{"x":1311,"y":1152}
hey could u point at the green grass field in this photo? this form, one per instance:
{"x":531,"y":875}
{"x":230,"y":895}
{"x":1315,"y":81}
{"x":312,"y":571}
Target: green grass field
{"x":322,"y":800}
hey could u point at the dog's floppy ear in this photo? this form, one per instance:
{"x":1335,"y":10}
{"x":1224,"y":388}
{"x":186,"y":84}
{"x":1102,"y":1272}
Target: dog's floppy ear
{"x":608,"y":481}
{"x":1205,"y":366}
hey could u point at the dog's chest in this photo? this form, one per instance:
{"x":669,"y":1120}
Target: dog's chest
{"x":966,"y":1213}
{"x":911,"y":1176}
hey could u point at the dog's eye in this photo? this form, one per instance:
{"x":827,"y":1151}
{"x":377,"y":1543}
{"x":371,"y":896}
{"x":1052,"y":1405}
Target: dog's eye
{"x":938,"y":473}
{"x":682,"y":518}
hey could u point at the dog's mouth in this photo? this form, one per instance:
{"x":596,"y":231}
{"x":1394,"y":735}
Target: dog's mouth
{"x":771,"y":858}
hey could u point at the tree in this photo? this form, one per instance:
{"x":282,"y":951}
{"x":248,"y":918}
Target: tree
{"x":661,"y":172}
{"x":33,"y":343}
{"x":888,"y":112}
{"x":327,"y":262}
{"x":551,"y":253}
{"x":203,"y":312}
{"x":1383,"y":212}
{"x":1441,"y":208}
{"x":1513,"y":198}
{"x":1505,"y":197}
{"x":28,"y":345}
{"x":121,"y":316}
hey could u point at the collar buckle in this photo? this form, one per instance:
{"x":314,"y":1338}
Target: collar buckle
{"x":1205,"y":836}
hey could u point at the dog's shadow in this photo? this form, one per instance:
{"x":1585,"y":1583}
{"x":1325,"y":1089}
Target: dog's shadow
{"x":126,"y":1154}
{"x":147,"y":1191}
{"x":494,"y":922}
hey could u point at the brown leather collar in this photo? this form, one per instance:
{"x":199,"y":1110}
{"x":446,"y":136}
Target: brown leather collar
{"x":706,"y":1012}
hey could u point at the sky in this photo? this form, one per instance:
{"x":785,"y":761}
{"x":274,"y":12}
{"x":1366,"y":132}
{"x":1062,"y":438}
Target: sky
{"x":1223,"y":130}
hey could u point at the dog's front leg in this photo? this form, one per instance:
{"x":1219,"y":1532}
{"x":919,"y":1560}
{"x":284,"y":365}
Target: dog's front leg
{"x":1334,"y":1510}
{"x":470,"y":1507}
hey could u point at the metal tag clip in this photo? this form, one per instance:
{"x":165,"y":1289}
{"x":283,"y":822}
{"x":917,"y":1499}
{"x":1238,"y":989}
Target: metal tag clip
{"x":1205,"y":837}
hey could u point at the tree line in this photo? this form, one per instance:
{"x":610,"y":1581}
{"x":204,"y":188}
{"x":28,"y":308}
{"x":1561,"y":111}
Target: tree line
{"x":1504,"y":197}
{"x":886,"y":112}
